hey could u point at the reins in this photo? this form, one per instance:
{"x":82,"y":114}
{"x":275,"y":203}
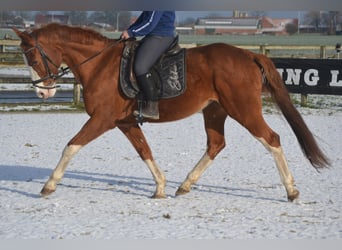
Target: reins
{"x":62,"y":71}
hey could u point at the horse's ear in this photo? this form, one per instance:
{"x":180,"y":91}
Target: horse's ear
{"x":23,"y":35}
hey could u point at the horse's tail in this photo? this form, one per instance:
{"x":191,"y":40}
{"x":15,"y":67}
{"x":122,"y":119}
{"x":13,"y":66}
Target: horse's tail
{"x":275,"y":85}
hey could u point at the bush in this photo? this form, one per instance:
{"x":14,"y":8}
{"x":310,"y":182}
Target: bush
{"x":291,"y":28}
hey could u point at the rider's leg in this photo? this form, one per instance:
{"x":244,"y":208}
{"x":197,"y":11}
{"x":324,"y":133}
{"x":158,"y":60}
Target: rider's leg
{"x":149,"y":51}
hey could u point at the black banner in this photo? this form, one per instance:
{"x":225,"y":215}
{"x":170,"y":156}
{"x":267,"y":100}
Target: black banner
{"x":311,"y":76}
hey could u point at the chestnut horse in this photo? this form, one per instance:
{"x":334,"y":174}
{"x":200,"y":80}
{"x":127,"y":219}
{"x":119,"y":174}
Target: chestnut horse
{"x":222,"y":81}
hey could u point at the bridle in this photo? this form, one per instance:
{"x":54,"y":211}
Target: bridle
{"x":50,"y":75}
{"x":62,"y":70}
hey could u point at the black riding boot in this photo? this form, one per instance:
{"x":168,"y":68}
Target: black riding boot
{"x":148,"y":87}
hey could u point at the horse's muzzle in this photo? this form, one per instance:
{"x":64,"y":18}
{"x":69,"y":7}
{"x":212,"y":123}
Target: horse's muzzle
{"x":45,"y":92}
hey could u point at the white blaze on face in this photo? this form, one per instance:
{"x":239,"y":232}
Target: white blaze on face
{"x":41,"y":93}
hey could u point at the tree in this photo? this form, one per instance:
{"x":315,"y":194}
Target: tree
{"x":257,"y":13}
{"x":96,"y":17}
{"x":124,"y":19}
{"x":189,"y":21}
{"x":7,"y":15}
{"x":15,"y":17}
{"x":19,"y":21}
{"x":329,"y":20}
{"x":110,"y":17}
{"x":313,"y":18}
{"x":332,"y":21}
{"x":291,"y":28}
{"x":78,"y":17}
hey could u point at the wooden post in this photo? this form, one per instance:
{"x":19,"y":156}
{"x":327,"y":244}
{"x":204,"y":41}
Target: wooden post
{"x":77,"y":93}
{"x":262,"y":49}
{"x":323,"y":53}
{"x":2,"y":50}
{"x":303,"y":100}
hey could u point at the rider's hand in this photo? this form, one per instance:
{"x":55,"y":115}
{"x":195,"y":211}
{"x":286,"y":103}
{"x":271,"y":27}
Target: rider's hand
{"x":124,"y":35}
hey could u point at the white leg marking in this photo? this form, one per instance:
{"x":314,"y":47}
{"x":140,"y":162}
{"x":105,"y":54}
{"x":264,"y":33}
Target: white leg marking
{"x":195,"y":174}
{"x":284,"y":172}
{"x":57,"y":174}
{"x":158,"y":177}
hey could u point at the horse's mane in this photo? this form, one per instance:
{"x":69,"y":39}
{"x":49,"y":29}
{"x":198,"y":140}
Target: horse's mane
{"x":55,"y":31}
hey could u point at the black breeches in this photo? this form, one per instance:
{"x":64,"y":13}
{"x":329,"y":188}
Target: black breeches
{"x":149,"y":51}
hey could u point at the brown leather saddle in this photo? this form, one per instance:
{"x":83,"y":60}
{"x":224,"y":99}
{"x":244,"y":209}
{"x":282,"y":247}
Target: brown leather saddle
{"x":168,"y":72}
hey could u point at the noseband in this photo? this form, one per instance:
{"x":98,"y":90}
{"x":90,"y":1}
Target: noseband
{"x":62,"y":71}
{"x":50,"y":75}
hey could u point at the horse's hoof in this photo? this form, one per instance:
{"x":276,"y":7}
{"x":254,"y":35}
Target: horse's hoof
{"x":158,"y":196}
{"x":182,"y":191}
{"x":293,"y":196}
{"x":46,"y":192}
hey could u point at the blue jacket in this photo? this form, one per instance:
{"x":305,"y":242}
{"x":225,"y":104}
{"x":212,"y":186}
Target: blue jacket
{"x":159,"y":23}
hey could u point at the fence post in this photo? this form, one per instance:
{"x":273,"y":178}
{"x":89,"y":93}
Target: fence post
{"x":2,"y":50}
{"x":262,"y":49}
{"x":323,"y":53}
{"x":303,"y":100}
{"x":77,"y":93}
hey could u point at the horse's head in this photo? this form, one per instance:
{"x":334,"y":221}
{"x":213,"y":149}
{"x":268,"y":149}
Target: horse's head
{"x":43,"y":61}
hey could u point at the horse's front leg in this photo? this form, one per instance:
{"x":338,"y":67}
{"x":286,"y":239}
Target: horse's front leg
{"x":57,"y":174}
{"x":94,"y":127}
{"x":137,"y":138}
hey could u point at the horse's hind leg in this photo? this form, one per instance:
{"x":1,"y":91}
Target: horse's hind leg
{"x":137,"y":138}
{"x":214,"y":118}
{"x":257,"y":126}
{"x":241,"y":98}
{"x":284,"y":172}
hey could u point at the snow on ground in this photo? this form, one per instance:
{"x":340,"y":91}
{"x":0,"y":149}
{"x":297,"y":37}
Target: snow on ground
{"x":106,"y":191}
